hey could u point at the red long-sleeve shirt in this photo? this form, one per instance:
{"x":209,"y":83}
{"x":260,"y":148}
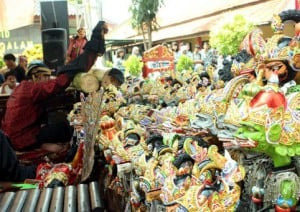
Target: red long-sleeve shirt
{"x":22,"y":122}
{"x":24,"y":108}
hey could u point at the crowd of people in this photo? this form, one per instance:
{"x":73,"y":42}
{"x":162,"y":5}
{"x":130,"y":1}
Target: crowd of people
{"x":13,"y":73}
{"x":201,"y":55}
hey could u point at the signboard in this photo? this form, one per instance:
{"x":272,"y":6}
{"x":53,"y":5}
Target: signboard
{"x":17,"y":40}
{"x":158,"y":58}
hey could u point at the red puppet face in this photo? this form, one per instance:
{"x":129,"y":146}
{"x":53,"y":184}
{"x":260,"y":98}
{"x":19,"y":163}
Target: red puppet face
{"x":47,"y":172}
{"x":270,"y":98}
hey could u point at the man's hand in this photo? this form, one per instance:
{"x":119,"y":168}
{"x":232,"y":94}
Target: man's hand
{"x":68,"y":59}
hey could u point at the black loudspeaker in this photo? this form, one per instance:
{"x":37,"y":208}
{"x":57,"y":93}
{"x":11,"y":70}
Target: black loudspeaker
{"x":54,"y":14}
{"x":54,"y":47}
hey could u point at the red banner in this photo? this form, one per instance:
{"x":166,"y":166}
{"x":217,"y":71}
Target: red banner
{"x":158,"y":59}
{"x":297,"y":4}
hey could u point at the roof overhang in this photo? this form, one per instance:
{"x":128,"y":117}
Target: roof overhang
{"x":259,"y":12}
{"x":121,"y":42}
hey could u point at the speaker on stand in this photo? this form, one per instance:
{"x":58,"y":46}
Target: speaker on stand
{"x":54,"y":47}
{"x":55,"y":31}
{"x":54,"y":14}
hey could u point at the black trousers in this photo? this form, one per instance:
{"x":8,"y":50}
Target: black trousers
{"x":60,"y":132}
{"x":10,"y":168}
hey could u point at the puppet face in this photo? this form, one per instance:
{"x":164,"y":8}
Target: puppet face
{"x":277,"y":67}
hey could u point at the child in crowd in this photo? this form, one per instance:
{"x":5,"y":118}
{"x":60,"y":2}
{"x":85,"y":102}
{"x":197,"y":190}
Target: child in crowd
{"x":9,"y":84}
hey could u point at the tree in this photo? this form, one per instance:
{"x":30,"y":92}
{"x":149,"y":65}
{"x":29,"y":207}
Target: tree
{"x":144,"y":18}
{"x":227,"y":36}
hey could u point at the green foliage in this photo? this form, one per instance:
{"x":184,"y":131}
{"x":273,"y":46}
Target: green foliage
{"x":227,"y":38}
{"x":144,"y":11}
{"x":133,"y":65}
{"x":274,"y":132}
{"x":144,"y":18}
{"x":109,"y":64}
{"x":34,"y":52}
{"x":184,"y":63}
{"x":1,"y":62}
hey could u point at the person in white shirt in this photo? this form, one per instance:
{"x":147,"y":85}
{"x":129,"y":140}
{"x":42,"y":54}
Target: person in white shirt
{"x":136,"y":51}
{"x":184,"y":49}
{"x":120,"y":59}
{"x":9,"y":84}
{"x":197,"y":58}
{"x":205,"y":50}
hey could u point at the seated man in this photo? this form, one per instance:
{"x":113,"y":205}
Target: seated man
{"x":9,"y":84}
{"x":10,"y":62}
{"x":23,"y":121}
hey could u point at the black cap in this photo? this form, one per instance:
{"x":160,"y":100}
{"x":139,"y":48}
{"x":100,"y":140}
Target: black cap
{"x":117,"y":74}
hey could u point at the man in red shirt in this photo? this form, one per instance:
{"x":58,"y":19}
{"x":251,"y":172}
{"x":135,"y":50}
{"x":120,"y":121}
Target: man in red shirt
{"x":22,"y":123}
{"x":24,"y":109}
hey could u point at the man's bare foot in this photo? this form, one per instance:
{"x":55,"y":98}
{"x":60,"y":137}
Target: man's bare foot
{"x":55,"y":148}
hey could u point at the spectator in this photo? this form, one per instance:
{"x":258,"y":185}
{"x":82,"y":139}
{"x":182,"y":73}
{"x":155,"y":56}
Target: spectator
{"x":120,"y":59}
{"x":9,"y":84}
{"x":136,"y":51}
{"x":76,"y":45}
{"x":184,"y":50}
{"x":188,"y":49}
{"x":175,"y":50}
{"x":10,"y":62}
{"x":197,"y":57}
{"x":23,"y":62}
{"x":205,"y":50}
